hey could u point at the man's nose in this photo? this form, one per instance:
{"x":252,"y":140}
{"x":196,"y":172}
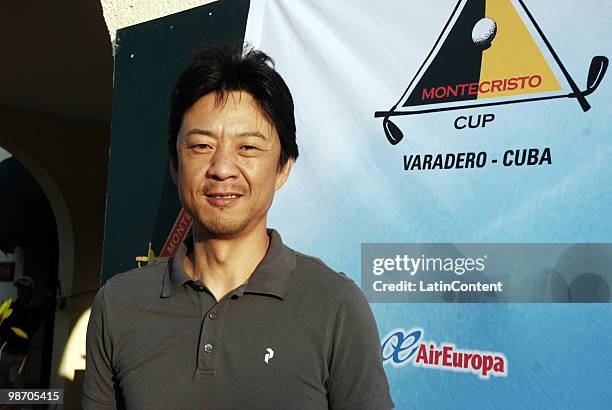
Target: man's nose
{"x":222,"y":164}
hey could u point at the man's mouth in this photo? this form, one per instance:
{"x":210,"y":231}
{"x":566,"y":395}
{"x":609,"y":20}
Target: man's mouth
{"x":222,"y":199}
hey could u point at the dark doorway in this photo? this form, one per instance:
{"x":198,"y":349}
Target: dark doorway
{"x":28,"y":236}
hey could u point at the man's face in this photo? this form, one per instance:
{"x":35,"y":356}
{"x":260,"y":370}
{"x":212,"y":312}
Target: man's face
{"x":228,"y":164}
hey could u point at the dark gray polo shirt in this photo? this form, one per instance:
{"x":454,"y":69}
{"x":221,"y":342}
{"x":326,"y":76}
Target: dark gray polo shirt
{"x":297,"y":336}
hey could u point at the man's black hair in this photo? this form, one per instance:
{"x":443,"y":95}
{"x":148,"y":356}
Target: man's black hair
{"x":235,"y":67}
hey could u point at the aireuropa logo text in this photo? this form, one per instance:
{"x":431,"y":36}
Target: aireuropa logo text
{"x":401,"y":347}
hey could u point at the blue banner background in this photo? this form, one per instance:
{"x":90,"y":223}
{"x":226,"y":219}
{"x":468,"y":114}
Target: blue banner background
{"x":344,"y":61}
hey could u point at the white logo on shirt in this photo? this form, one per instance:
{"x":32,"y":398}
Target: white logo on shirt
{"x":268,"y":355}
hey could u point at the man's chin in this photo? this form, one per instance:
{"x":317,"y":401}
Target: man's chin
{"x":223,"y":229}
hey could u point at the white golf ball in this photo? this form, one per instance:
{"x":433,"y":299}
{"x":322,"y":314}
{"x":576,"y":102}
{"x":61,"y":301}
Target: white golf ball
{"x":484,"y":32}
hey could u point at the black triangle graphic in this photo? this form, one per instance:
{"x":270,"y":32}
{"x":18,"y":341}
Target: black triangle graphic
{"x":459,"y":49}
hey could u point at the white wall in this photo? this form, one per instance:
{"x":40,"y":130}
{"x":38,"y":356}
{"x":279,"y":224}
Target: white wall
{"x":123,"y":13}
{"x":4,"y":154}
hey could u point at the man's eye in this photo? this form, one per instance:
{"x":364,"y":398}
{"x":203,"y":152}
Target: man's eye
{"x":248,"y":147}
{"x":201,"y":147}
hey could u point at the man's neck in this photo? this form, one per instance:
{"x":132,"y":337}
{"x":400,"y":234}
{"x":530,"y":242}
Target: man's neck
{"x":223,"y":264}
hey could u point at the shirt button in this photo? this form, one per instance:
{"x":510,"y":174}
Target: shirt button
{"x":208,"y":348}
{"x":212,"y":315}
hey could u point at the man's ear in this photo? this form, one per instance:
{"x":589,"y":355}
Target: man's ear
{"x":283,"y":174}
{"x":174,"y":170}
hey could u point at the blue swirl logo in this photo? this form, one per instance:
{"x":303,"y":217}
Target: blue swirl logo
{"x":400,"y":345}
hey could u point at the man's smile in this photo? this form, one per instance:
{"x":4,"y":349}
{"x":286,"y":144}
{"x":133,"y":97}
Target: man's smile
{"x":222,"y":199}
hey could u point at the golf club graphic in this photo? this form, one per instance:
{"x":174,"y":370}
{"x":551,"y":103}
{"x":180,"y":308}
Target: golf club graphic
{"x":486,"y":51}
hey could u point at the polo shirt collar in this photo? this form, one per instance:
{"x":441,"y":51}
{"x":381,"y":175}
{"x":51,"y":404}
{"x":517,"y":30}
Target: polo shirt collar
{"x":271,"y":277}
{"x":175,"y":275}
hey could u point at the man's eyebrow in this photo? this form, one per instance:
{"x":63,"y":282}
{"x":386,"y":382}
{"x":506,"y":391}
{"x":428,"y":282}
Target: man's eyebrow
{"x":198,"y":131}
{"x":255,"y":134}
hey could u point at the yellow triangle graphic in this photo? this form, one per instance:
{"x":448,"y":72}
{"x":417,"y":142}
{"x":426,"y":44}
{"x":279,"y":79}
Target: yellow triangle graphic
{"x":513,"y":55}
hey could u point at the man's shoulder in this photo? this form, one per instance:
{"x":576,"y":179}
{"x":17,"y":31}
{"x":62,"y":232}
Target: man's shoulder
{"x":331,"y":291}
{"x":319,"y":274}
{"x":136,"y":283}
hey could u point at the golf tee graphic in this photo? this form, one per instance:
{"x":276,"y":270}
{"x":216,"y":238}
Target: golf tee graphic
{"x":490,"y":52}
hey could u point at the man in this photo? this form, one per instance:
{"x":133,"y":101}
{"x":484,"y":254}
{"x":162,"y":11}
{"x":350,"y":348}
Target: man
{"x":18,"y":321}
{"x":236,"y":320}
